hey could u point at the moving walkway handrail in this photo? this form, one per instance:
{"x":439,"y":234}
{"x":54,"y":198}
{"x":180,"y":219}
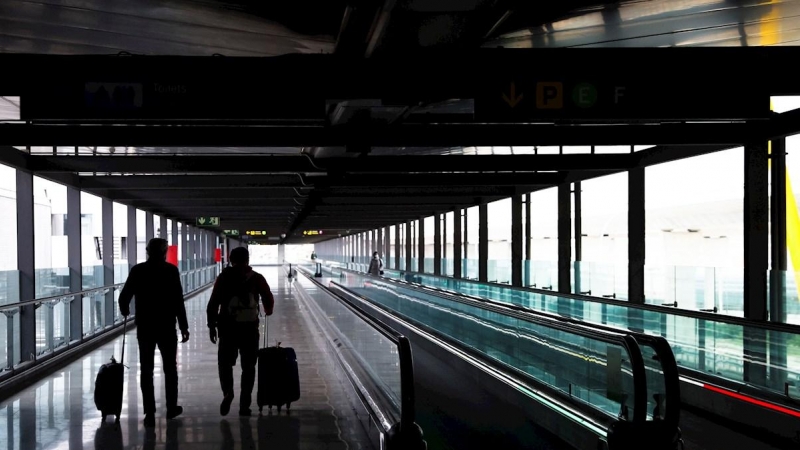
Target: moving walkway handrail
{"x":770,"y":326}
{"x":407,"y":397}
{"x":61,"y":297}
{"x":662,"y":348}
{"x":616,"y":337}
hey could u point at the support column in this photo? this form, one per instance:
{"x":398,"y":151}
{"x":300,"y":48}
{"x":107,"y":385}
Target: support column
{"x":174,"y":232}
{"x":777,"y":299}
{"x":108,"y":257}
{"x":184,"y":247}
{"x":281,"y":253}
{"x":457,"y":243}
{"x":148,"y":227}
{"x":564,"y":238}
{"x":387,"y":245}
{"x":73,"y":232}
{"x":421,"y":245}
{"x":25,"y":265}
{"x":379,"y":243}
{"x":483,"y":242}
{"x":162,"y":227}
{"x":437,"y":244}
{"x":516,"y":240}
{"x":756,"y":220}
{"x":526,"y":278}
{"x":578,"y":236}
{"x":133,"y":245}
{"x":408,"y":246}
{"x":636,"y":237}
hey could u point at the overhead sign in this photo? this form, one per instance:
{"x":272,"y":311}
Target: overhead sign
{"x":552,"y":95}
{"x":208,"y":221}
{"x":231,"y":232}
{"x":312,"y":232}
{"x":256,"y":233}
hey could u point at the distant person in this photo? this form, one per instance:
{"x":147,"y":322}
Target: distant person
{"x":375,"y":265}
{"x":233,"y":316}
{"x":313,"y":255}
{"x":156,"y":284}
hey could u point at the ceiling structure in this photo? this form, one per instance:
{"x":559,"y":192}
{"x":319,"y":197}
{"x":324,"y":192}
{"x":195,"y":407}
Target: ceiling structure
{"x":395,"y":141}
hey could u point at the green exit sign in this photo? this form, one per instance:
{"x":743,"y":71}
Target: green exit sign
{"x":208,"y":221}
{"x":231,"y":232}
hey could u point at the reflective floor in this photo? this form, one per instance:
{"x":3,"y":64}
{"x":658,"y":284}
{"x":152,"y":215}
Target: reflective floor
{"x":59,"y":412}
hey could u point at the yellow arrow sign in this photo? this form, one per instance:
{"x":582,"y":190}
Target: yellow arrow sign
{"x":513,"y":99}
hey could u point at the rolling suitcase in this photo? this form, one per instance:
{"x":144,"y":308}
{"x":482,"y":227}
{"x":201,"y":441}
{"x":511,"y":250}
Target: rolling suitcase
{"x":108,"y":384}
{"x":278,"y":378}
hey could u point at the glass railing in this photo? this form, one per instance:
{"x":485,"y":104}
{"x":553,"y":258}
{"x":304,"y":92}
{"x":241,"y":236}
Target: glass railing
{"x":53,"y":316}
{"x":376,"y":358}
{"x":540,"y":274}
{"x":498,"y":271}
{"x":598,"y":369}
{"x":600,"y":279}
{"x":701,"y":342}
{"x":428,"y":265}
{"x":49,"y":282}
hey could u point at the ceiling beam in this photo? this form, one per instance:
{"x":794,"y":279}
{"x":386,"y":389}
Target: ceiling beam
{"x":138,"y":182}
{"x":451,"y":135}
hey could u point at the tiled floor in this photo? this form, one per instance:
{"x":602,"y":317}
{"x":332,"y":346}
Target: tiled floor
{"x":59,"y":412}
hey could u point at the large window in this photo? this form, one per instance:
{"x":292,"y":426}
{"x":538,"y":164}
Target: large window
{"x":120,"y":243}
{"x":141,"y":236}
{"x":392,"y":248}
{"x":542,"y":269}
{"x":92,"y":262}
{"x":694,"y":232}
{"x":447,"y":239}
{"x":428,"y":242}
{"x":603,"y":269}
{"x":499,"y":221}
{"x":50,"y":239}
{"x":469,"y":267}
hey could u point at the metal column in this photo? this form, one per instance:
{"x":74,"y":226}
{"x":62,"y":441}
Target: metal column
{"x":421,"y":246}
{"x":387,"y":244}
{"x":379,"y":243}
{"x":756,"y":258}
{"x":73,"y":232}
{"x":174,"y":232}
{"x":132,"y":243}
{"x":483,"y":242}
{"x":108,"y":257}
{"x":516,"y":240}
{"x":576,"y":187}
{"x":564,"y":238}
{"x":437,"y":244}
{"x":26,"y":265}
{"x":636,"y":235}
{"x":148,"y":227}
{"x":457,"y":260}
{"x":162,"y":228}
{"x":777,"y":299}
{"x":184,"y":238}
{"x":526,"y":279}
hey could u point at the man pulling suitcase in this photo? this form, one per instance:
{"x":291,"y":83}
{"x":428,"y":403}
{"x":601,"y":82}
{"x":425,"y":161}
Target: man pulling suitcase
{"x":233,"y":318}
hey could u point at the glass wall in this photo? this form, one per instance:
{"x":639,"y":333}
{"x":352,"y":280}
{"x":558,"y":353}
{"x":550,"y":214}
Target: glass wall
{"x":120,"y":243}
{"x":428,"y":242}
{"x":414,"y":245}
{"x":402,"y":246}
{"x":168,"y":231}
{"x":542,"y":269}
{"x":603,"y":270}
{"x":792,"y":276}
{"x":469,"y":268}
{"x":92,"y":262}
{"x":392,"y":248}
{"x":157,"y":231}
{"x":694,"y":232}
{"x":499,"y":222}
{"x":51,"y":274}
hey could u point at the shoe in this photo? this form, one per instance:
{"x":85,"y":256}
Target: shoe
{"x":177,"y":411}
{"x":149,"y":420}
{"x":225,"y":407}
{"x":245,"y":412}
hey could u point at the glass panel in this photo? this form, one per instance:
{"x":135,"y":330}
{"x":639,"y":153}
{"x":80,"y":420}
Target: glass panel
{"x":499,"y":222}
{"x":51,"y":274}
{"x":584,"y":368}
{"x":377,"y":354}
{"x":141,"y":236}
{"x":120,"y":219}
{"x":91,"y":241}
{"x":544,"y":239}
{"x":705,"y":345}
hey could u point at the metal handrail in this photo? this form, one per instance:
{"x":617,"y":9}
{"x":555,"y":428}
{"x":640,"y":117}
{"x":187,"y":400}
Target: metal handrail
{"x":407,"y":407}
{"x":611,"y":336}
{"x":769,"y":326}
{"x":61,"y":297}
{"x":84,"y":293}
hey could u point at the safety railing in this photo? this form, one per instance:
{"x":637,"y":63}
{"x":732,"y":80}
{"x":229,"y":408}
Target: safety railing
{"x":380,"y":367}
{"x":55,"y":327}
{"x":625,"y":388}
{"x":705,"y":345}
